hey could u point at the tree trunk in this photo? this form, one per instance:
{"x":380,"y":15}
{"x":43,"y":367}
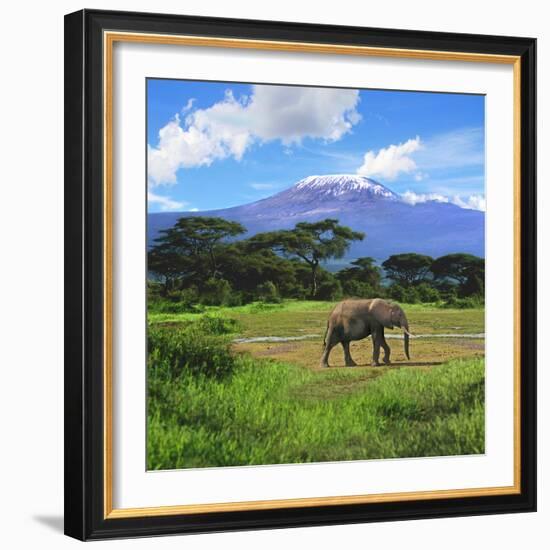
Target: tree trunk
{"x":164,"y":291}
{"x":213,"y":266}
{"x":313,"y":280}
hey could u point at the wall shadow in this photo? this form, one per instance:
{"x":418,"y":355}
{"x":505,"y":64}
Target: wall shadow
{"x":55,"y":523}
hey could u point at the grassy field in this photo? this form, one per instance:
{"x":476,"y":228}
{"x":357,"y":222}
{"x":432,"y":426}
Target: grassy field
{"x":268,"y":402}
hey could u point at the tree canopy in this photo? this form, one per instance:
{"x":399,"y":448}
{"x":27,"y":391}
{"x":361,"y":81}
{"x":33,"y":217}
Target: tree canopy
{"x":458,"y":267}
{"x":364,"y":270}
{"x":407,"y":269}
{"x":465,"y":269}
{"x":311,"y":243}
{"x":201,"y":260}
{"x":190,"y":247}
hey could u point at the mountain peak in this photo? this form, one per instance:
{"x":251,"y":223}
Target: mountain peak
{"x":340,"y":184}
{"x":391,"y":224}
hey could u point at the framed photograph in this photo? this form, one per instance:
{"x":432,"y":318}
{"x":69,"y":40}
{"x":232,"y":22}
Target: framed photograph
{"x":300,"y":274}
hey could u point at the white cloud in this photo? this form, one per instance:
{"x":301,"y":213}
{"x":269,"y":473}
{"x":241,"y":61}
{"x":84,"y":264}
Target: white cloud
{"x":193,"y":210}
{"x":471,"y":202}
{"x":390,"y":161}
{"x":189,"y":105}
{"x":411,"y":197}
{"x":228,"y":128}
{"x":165,"y":203}
{"x":291,"y":113}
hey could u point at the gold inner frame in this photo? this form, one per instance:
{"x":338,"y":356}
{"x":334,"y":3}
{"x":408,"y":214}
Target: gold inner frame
{"x":109,"y":39}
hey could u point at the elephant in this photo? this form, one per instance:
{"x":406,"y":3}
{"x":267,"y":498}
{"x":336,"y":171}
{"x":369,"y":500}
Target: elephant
{"x":356,"y":319}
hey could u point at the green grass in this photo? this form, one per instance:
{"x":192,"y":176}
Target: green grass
{"x":295,"y":317}
{"x":211,"y":406}
{"x":275,"y":413}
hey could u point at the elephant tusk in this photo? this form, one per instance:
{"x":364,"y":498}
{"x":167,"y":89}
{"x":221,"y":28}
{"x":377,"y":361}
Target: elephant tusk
{"x":408,"y":333}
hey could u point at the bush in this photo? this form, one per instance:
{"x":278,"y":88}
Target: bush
{"x":405,"y":295}
{"x":172,"y":353}
{"x":267,"y":292}
{"x":154,"y":290}
{"x":166,"y":306}
{"x":464,"y":303}
{"x":216,"y":292}
{"x":260,"y":307}
{"x":397,"y":292}
{"x":447,"y":291}
{"x":359,"y":289}
{"x":474,"y":286}
{"x":330,"y":290}
{"x":427,"y":293}
{"x":210,"y":324}
{"x":234,"y":299}
{"x":411,"y":296}
{"x":188,"y":296}
{"x":297,"y":292}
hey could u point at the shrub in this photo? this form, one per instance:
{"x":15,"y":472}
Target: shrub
{"x":447,"y":291}
{"x":234,"y":299}
{"x":267,"y":292}
{"x":330,"y":290}
{"x":172,"y":353}
{"x":397,"y":292}
{"x":427,"y":293}
{"x":161,"y":305}
{"x":187,"y":296}
{"x":295,"y":291}
{"x":216,"y":292}
{"x":176,"y":301}
{"x":359,"y":289}
{"x":210,"y":324}
{"x":259,"y":307}
{"x":463,"y":303}
{"x":410,"y":295}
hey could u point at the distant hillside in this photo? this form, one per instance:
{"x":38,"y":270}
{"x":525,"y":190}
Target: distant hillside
{"x":392,"y":226}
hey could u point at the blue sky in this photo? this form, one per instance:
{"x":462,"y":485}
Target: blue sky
{"x":214,"y":145}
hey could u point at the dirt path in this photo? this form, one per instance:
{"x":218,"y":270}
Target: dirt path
{"x":426,"y":351}
{"x":257,"y":339}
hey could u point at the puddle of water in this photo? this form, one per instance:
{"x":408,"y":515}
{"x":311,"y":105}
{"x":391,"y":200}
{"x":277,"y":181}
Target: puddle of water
{"x":258,"y":339}
{"x":470,"y":336}
{"x":275,"y":338}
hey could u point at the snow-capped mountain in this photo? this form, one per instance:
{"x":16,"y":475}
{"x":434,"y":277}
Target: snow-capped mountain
{"x":341,"y":184}
{"x":391,"y":225}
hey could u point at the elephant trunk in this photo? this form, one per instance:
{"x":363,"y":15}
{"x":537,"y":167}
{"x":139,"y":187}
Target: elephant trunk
{"x":405,"y":327}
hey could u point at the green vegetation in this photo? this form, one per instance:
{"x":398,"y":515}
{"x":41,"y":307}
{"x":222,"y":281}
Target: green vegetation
{"x":221,"y":394}
{"x":199,"y":263}
{"x":298,"y":317}
{"x":272,"y":413}
{"x":311,"y":243}
{"x":211,"y":403}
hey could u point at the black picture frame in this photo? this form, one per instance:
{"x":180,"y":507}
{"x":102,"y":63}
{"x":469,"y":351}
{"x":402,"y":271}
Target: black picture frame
{"x":84,"y":269}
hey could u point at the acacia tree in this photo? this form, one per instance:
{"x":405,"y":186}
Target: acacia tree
{"x":166,"y":264}
{"x":192,"y":244}
{"x":364,"y":270}
{"x":465,"y":269}
{"x":311,"y":243}
{"x":407,"y":269}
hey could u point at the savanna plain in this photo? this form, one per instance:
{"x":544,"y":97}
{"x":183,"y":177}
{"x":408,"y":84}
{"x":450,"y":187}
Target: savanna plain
{"x":233,"y":386}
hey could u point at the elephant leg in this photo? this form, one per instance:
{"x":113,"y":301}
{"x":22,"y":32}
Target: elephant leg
{"x":375,"y":348}
{"x":347,"y":355}
{"x":329,"y":344}
{"x":324,"y":357}
{"x":387,"y":350}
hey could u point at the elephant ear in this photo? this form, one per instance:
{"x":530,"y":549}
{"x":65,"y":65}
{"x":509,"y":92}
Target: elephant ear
{"x":382,"y":312}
